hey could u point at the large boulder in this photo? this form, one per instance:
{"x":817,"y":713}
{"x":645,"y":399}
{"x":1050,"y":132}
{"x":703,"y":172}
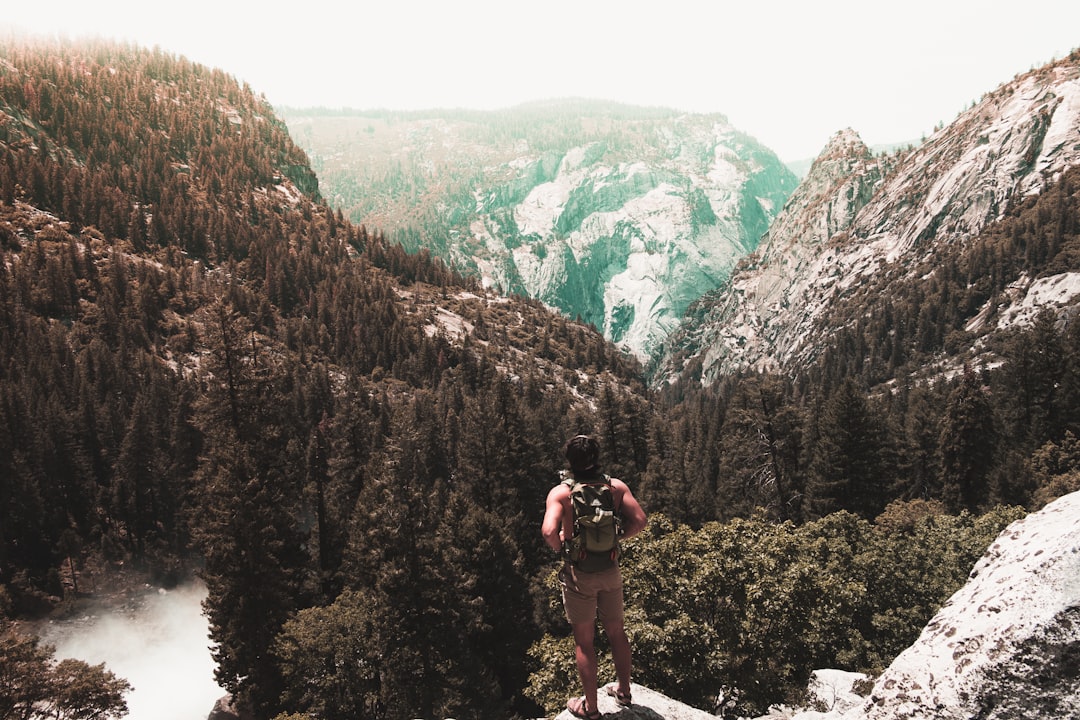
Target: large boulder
{"x":648,"y":705}
{"x":1007,"y":644}
{"x":225,"y":709}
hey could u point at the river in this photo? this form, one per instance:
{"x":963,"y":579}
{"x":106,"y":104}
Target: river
{"x":160,"y":645}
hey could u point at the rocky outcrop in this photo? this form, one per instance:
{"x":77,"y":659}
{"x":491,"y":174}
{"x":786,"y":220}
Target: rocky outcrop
{"x":1007,"y":644}
{"x":648,"y":705}
{"x":224,"y":709}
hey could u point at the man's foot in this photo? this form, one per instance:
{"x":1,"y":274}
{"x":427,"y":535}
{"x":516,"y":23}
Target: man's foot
{"x":578,"y":708}
{"x":622,"y":698}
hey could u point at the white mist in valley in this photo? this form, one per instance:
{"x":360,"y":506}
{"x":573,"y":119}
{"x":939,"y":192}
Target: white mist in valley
{"x":160,"y":646}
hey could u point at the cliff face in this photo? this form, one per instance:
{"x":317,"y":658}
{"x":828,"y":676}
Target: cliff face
{"x":858,"y":223}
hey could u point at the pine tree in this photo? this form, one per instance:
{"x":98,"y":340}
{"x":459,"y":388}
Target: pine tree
{"x":664,"y":480}
{"x":918,"y":475}
{"x":760,"y":452}
{"x":968,"y":437}
{"x":390,"y":555}
{"x":1068,"y":395}
{"x":1030,"y":379}
{"x":849,"y":465}
{"x":138,"y":468}
{"x":247,"y":498}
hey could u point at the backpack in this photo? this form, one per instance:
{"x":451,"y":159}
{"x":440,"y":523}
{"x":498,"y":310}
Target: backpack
{"x":597,"y":526}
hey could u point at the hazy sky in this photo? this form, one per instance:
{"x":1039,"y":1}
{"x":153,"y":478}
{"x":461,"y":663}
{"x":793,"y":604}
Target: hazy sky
{"x":788,"y":72}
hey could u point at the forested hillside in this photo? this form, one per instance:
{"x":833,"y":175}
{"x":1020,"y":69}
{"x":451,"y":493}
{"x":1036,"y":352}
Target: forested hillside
{"x":204,"y":368}
{"x":919,"y":389}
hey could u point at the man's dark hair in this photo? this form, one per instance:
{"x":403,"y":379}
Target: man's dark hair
{"x":583,"y":453}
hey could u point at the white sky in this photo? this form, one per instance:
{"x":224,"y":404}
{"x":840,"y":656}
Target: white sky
{"x":788,"y":72}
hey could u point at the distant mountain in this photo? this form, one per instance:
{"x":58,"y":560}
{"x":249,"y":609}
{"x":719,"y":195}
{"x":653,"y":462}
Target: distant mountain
{"x":893,"y":253}
{"x":619,"y":215}
{"x":800,"y":167}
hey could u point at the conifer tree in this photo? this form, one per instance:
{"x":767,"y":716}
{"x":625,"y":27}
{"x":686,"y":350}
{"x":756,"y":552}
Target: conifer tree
{"x":849,"y":465}
{"x":664,"y":480}
{"x":1030,"y":380}
{"x":247,"y":489}
{"x":760,"y":452}
{"x":968,"y":437}
{"x":1068,"y":395}
{"x":390,"y":555}
{"x":138,"y":468}
{"x":437,"y":558}
{"x":917,"y":475}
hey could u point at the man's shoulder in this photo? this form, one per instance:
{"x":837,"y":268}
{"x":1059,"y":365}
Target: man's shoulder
{"x":560,"y":491}
{"x":621,"y":491}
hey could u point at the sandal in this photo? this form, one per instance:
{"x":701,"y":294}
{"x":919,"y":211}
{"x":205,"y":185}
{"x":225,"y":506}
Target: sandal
{"x":622,"y":698}
{"x":577,"y":709}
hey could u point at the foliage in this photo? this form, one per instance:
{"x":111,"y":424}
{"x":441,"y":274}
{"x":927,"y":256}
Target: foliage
{"x":330,"y":666}
{"x":555,"y":678}
{"x":756,"y":605}
{"x":33,"y":685}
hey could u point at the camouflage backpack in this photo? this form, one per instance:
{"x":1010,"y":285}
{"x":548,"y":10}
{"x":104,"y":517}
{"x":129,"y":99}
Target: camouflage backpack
{"x":597,"y":526}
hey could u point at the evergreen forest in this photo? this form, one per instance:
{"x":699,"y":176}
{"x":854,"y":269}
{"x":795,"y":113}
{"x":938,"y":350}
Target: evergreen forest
{"x":207,"y":371}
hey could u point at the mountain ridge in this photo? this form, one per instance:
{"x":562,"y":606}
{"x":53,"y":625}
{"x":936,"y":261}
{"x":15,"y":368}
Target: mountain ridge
{"x":616,"y":214}
{"x":894,"y":212}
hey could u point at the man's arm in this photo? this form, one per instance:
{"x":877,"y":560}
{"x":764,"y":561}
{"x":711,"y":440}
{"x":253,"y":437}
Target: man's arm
{"x":631,"y":512}
{"x":552,"y":528}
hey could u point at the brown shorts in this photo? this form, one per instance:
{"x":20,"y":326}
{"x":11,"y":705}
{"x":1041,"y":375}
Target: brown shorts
{"x":588,"y":596}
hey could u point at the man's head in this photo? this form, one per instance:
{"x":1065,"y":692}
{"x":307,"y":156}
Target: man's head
{"x":583,"y":453}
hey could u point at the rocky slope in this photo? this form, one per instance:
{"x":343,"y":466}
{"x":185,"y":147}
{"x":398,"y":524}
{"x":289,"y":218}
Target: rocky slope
{"x":1007,"y":644}
{"x":858,"y":221}
{"x":622,"y":216}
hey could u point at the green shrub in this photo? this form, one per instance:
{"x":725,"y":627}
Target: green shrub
{"x":757,"y":606}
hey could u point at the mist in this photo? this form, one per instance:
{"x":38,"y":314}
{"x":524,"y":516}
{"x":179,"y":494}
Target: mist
{"x":160,"y":646}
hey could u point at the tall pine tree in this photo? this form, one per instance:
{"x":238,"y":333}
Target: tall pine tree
{"x":968,"y":437}
{"x":849,"y":465}
{"x":248,"y":485}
